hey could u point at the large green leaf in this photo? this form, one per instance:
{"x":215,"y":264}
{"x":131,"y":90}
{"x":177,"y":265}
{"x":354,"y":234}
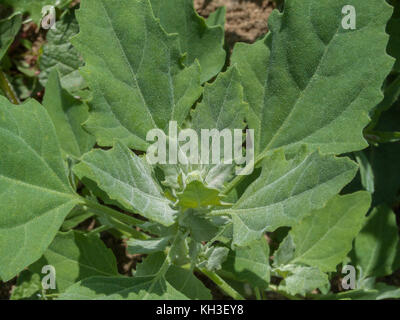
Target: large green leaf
{"x":181,"y":279}
{"x":8,"y":30}
{"x":301,"y":280}
{"x":214,"y":257}
{"x":201,"y":228}
{"x":197,"y":38}
{"x":187,"y":283}
{"x":324,"y":238}
{"x":252,"y":62}
{"x":127,"y":179}
{"x":58,"y":53}
{"x":75,"y":257}
{"x":377,"y":247}
{"x":136,"y":246}
{"x":286,"y":191}
{"x":378,"y":292}
{"x":67,"y":114}
{"x":222,"y":106}
{"x":122,"y":288}
{"x":250,"y":264}
{"x":197,"y":195}
{"x":314,"y":82}
{"x":28,"y":287}
{"x":217,"y":17}
{"x":151,"y":282}
{"x":137,"y":75}
{"x":35,"y":194}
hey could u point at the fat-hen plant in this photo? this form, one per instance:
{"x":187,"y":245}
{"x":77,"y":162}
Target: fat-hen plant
{"x":325,"y":136}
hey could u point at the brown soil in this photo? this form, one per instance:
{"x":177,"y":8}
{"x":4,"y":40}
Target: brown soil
{"x":246,"y":20}
{"x":125,"y":261}
{"x":5,"y":289}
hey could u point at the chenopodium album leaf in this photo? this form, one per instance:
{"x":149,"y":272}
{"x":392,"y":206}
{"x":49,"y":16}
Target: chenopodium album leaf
{"x":28,"y":286}
{"x":36,"y":194}
{"x":59,"y":53}
{"x":197,"y":39}
{"x":76,"y":256}
{"x":137,"y":76}
{"x":156,"y":279}
{"x":286,"y":191}
{"x":149,"y":283}
{"x":180,"y":278}
{"x":288,"y":86}
{"x":324,"y":238}
{"x":127,"y":179}
{"x":122,"y":288}
{"x":293,"y":103}
{"x":8,"y":30}
{"x":319,"y":243}
{"x":67,"y":114}
{"x":378,"y":258}
{"x":250,"y":264}
{"x":300,"y":279}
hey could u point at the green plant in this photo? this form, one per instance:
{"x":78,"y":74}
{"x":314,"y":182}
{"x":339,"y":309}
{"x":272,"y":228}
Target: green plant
{"x":306,"y":89}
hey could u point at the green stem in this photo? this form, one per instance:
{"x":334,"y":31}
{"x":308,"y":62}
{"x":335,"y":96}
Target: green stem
{"x":167,"y":262}
{"x":118,"y":219}
{"x":122,"y":227}
{"x":257,"y":291}
{"x":99,"y":208}
{"x":7,"y":89}
{"x":222,"y":284}
{"x":99,"y":230}
{"x":245,"y":172}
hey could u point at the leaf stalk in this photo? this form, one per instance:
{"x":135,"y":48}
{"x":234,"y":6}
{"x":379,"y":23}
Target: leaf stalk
{"x":225,"y":287}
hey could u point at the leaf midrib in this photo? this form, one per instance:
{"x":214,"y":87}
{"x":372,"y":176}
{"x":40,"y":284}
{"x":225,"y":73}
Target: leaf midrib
{"x":127,"y":62}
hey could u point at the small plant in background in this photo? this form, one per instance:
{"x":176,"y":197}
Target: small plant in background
{"x":321,"y":99}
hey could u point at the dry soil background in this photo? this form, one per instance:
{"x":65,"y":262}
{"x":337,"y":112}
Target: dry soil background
{"x":246,"y":20}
